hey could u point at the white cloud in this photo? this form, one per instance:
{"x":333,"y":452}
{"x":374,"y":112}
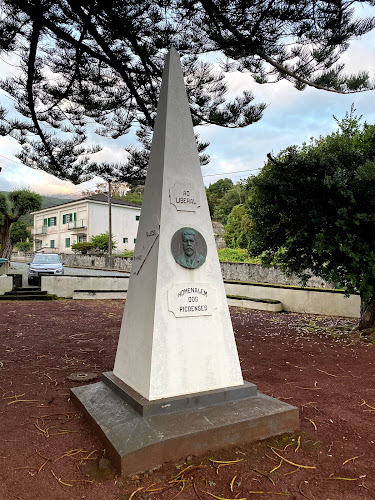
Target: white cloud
{"x":111,"y":154}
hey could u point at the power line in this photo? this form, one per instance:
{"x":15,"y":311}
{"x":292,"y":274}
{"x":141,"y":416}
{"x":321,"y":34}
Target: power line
{"x":14,"y":161}
{"x":230,"y":173}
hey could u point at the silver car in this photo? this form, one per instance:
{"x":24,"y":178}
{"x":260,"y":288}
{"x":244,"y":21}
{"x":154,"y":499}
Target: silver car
{"x":45,"y":264}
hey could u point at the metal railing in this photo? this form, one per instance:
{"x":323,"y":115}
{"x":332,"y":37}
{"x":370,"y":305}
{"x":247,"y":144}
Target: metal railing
{"x":40,"y":230}
{"x":77,"y":224}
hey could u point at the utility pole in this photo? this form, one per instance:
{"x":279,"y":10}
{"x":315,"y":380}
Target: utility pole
{"x":109,"y":220}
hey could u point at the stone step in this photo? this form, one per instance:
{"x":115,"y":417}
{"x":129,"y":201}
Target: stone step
{"x":252,"y":303}
{"x":23,"y":291}
{"x":24,"y":296}
{"x":22,"y":288}
{"x":99,"y":294}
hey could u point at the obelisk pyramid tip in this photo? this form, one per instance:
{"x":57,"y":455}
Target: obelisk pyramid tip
{"x":173,"y":53}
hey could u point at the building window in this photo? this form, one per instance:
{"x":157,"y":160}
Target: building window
{"x":52,"y":243}
{"x":69,"y":217}
{"x":44,"y":222}
{"x":135,"y":239}
{"x":67,"y":242}
{"x":137,"y":217}
{"x":51,"y":221}
{"x":125,"y":240}
{"x":82,"y":239}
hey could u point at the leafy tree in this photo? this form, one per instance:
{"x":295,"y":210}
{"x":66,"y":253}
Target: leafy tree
{"x":234,"y":196}
{"x":216,"y":191}
{"x":101,"y":242}
{"x":17,"y":203}
{"x":313,"y":208}
{"x":236,"y":233}
{"x":118,"y":189}
{"x":121,"y":190}
{"x":135,"y":194}
{"x":134,"y":197}
{"x":95,"y":67}
{"x":19,"y":232}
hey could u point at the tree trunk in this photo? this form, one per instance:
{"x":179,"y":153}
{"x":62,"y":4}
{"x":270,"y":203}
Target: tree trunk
{"x":367,"y":319}
{"x":5,"y":241}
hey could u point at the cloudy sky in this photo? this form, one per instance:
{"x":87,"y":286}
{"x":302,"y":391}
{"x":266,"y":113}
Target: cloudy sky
{"x":292,"y":117}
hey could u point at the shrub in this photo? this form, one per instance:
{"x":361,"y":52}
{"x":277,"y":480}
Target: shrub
{"x":83,"y":247}
{"x":23,"y":246}
{"x":100,"y":242}
{"x":127,"y":253}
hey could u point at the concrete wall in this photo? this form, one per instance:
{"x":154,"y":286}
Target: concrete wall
{"x":64,"y":286}
{"x":6,"y":284}
{"x":311,"y":301}
{"x":22,"y":256}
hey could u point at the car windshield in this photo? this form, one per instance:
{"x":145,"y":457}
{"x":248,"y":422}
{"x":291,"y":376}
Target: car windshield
{"x":46,"y":259}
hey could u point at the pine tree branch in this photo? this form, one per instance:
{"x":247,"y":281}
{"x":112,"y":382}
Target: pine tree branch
{"x":29,"y":87}
{"x":72,"y":80}
{"x":32,"y":13}
{"x":212,"y":11}
{"x":113,"y":60}
{"x":292,"y":74}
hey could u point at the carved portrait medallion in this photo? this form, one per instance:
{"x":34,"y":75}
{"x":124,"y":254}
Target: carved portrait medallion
{"x":189,"y":248}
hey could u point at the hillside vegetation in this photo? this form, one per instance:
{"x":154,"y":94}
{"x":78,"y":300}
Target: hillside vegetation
{"x":48,"y":201}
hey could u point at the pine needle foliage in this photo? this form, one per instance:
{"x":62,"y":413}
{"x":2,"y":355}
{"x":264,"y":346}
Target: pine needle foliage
{"x":93,"y":68}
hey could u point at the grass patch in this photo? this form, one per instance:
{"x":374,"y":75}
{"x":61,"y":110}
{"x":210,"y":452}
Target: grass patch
{"x":236,"y":255}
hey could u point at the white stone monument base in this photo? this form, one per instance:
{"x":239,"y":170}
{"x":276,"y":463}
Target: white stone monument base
{"x":199,"y":423}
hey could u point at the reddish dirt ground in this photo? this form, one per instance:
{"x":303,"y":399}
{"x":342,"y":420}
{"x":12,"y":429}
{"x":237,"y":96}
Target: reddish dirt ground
{"x":48,"y":451}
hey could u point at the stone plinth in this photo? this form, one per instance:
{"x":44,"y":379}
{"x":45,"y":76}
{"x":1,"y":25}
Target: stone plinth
{"x":137,"y":443}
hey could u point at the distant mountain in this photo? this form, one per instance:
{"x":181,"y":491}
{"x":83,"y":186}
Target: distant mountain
{"x":47,"y":201}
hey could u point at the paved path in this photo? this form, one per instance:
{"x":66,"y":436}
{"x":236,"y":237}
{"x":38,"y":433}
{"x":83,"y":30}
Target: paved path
{"x":21,"y":268}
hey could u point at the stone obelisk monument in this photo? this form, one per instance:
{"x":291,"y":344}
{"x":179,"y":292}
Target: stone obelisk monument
{"x":176,"y":388}
{"x":176,"y":336}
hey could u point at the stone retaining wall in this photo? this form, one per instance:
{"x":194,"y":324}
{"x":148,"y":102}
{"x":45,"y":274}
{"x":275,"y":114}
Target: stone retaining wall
{"x":238,"y":271}
{"x":98,"y":262}
{"x":235,"y":271}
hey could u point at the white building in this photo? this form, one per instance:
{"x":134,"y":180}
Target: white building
{"x":61,"y":226}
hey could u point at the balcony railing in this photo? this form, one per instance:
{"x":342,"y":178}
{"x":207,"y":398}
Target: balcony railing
{"x":77,"y":224}
{"x":39,"y":230}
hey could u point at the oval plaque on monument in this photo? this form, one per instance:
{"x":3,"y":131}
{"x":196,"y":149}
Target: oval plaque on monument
{"x":189,"y":248}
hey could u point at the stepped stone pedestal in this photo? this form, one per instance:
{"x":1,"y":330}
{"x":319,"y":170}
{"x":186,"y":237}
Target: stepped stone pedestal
{"x":140,"y":435}
{"x":176,"y":387}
